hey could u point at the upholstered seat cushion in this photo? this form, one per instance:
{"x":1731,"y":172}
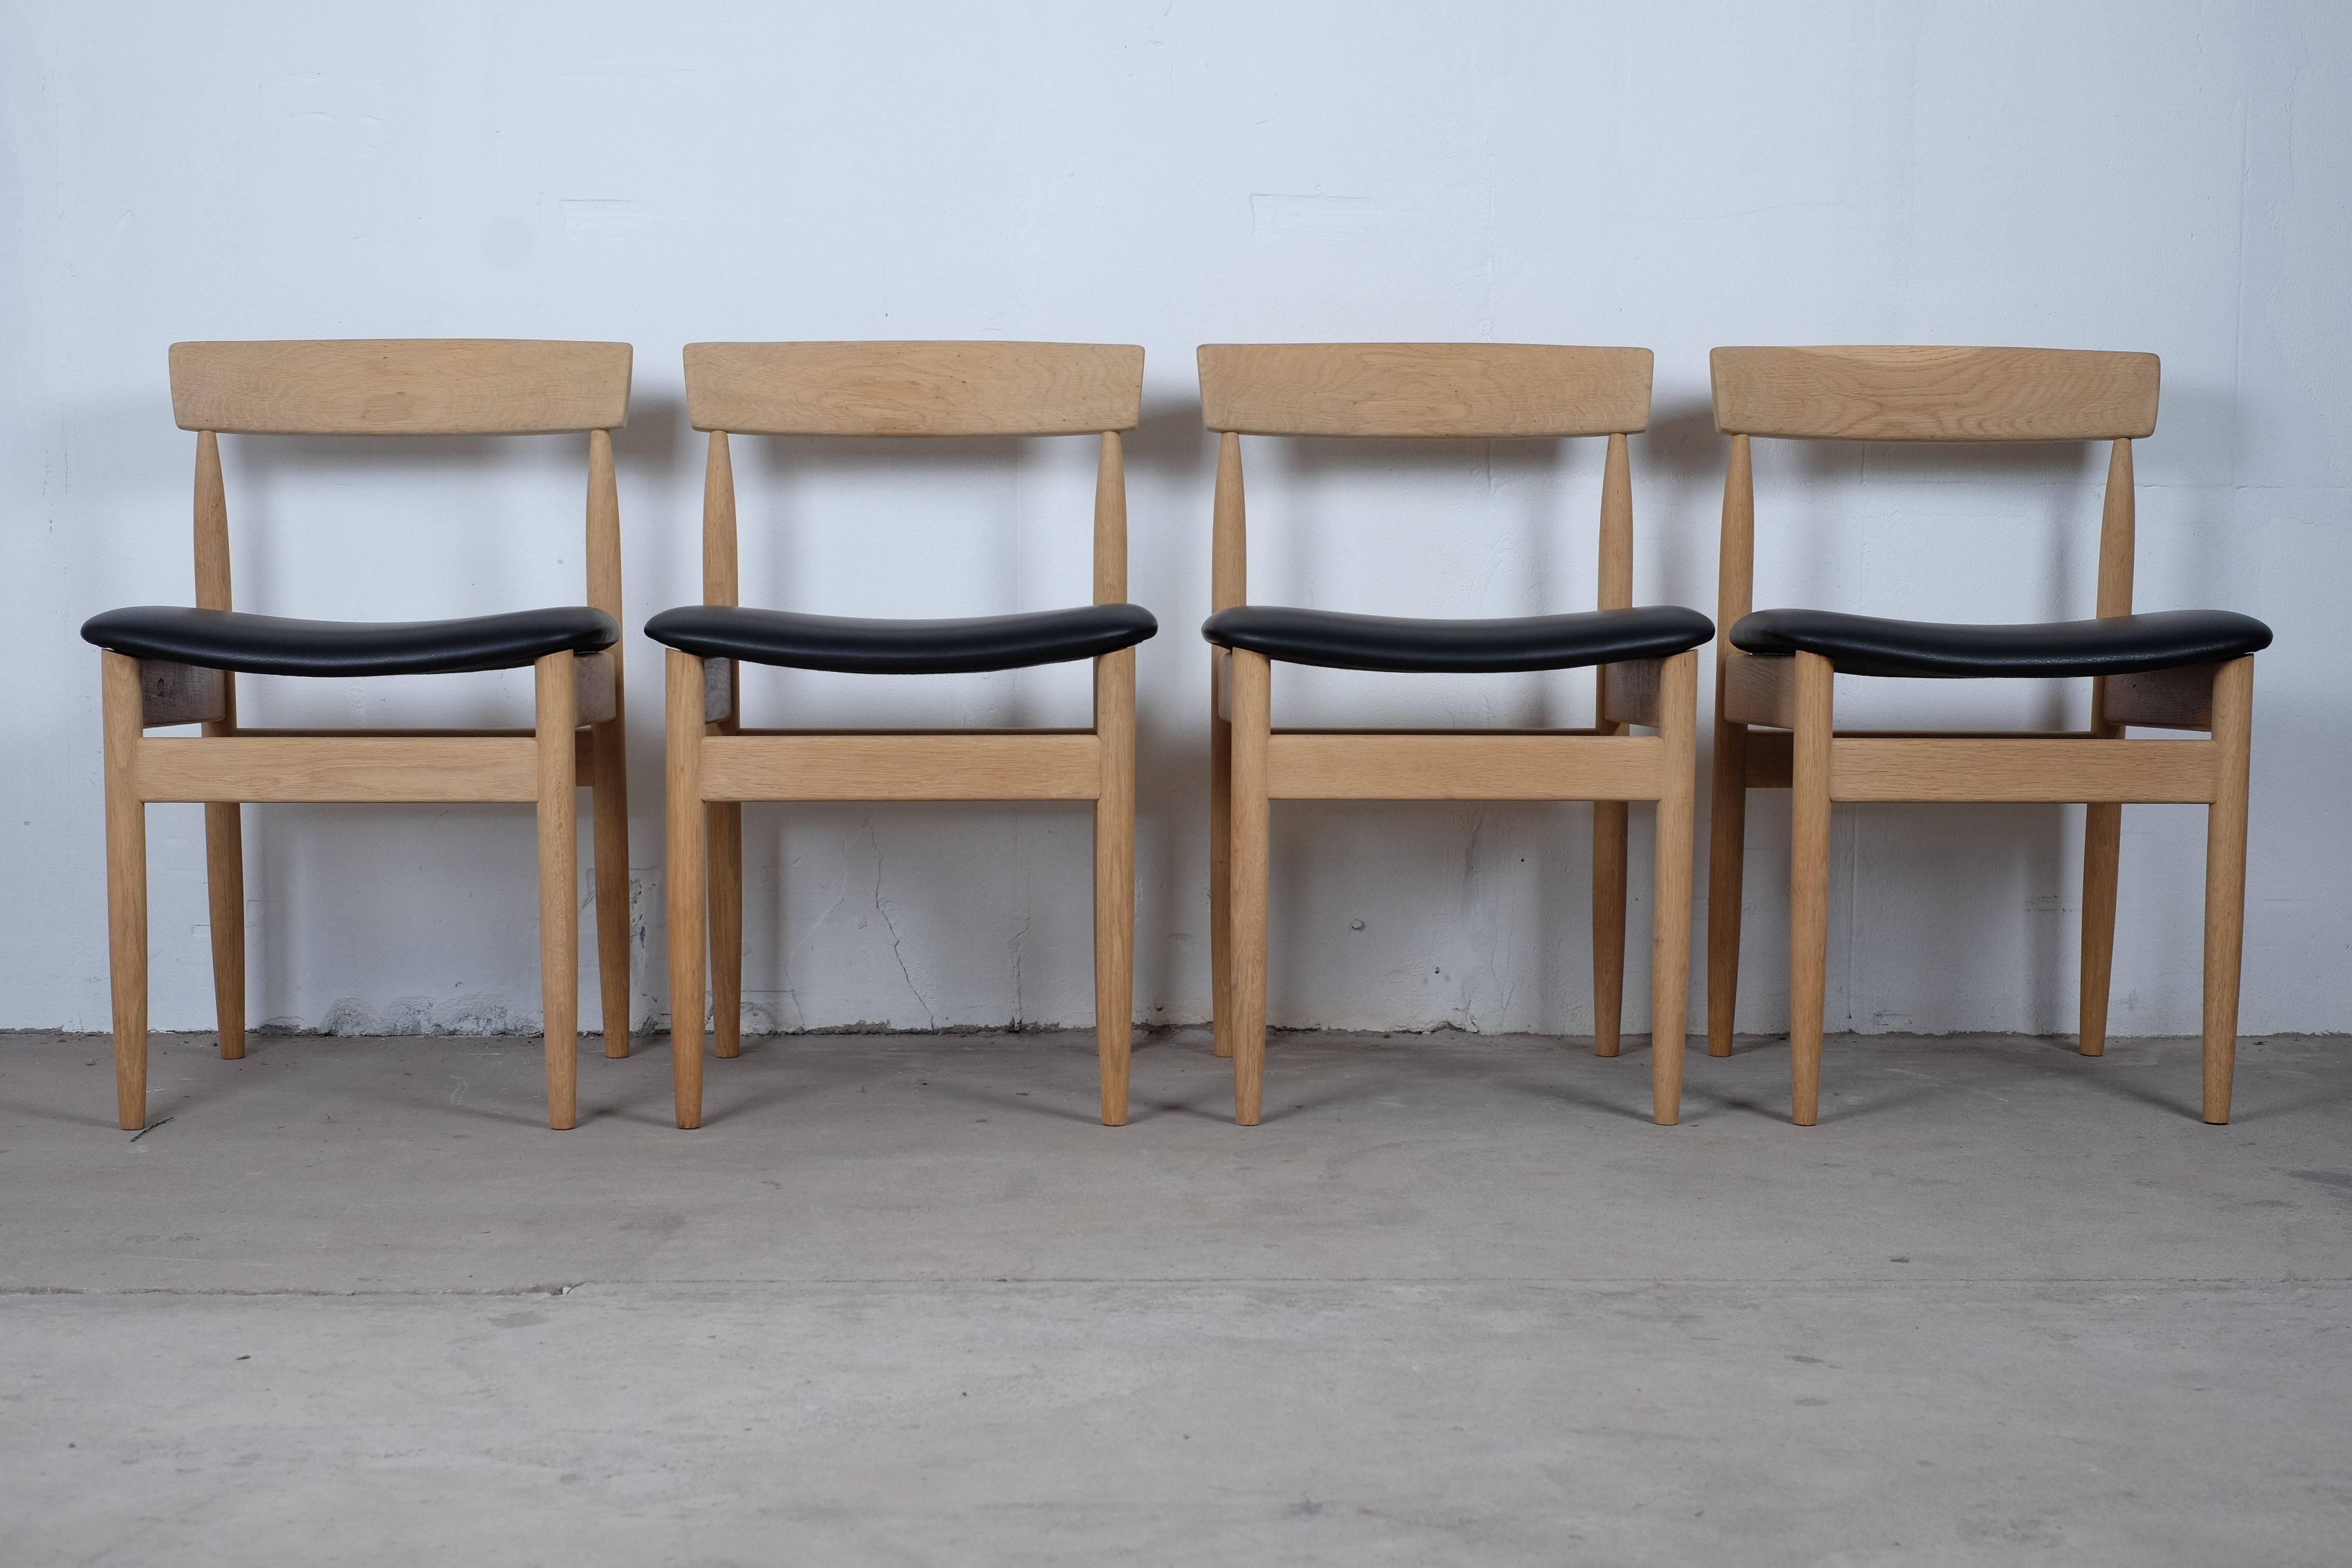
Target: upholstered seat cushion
{"x":868,"y":647}
{"x":277,"y":646}
{"x":2118,"y":646}
{"x":1342,"y":642}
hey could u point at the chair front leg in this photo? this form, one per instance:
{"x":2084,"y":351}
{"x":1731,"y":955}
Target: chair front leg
{"x":684,"y":813}
{"x":126,"y":884}
{"x":1245,"y":913}
{"x":559,"y":884}
{"x":1115,"y":880}
{"x":2225,"y":880}
{"x":1670,"y":937}
{"x":1808,"y":883}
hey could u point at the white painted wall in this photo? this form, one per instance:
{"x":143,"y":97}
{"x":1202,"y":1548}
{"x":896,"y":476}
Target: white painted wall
{"x":2174,"y":177}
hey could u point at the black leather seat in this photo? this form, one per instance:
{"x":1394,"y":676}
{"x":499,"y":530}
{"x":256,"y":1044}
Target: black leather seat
{"x":1338,"y":640}
{"x":2118,"y":646}
{"x":277,"y":646}
{"x":864,"y":647}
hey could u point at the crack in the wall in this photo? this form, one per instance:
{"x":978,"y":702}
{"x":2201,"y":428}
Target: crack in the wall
{"x":898,"y":949}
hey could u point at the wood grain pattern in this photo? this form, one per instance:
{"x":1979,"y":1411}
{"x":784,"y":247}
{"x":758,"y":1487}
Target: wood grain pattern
{"x":171,"y":693}
{"x":402,"y":386}
{"x":603,"y":705}
{"x":1247,"y":850}
{"x":2225,"y":878}
{"x":946,"y":765}
{"x":1412,"y":390}
{"x":365,"y":767}
{"x":1306,"y":766}
{"x":555,"y":748}
{"x":683,"y":814}
{"x":914,"y":388}
{"x":1809,"y":882}
{"x":2043,"y":768}
{"x":2159,"y":699}
{"x":1732,"y":773}
{"x":1905,"y":394}
{"x":1671,"y":896}
{"x":126,"y":884}
{"x":1114,"y":877}
{"x":1753,"y":690}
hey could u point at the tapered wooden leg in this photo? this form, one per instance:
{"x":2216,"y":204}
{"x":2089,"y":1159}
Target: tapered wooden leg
{"x":559,"y":885}
{"x":1115,"y":880}
{"x":224,"y":875}
{"x":1809,"y":885}
{"x":684,"y":814}
{"x":2225,"y":880}
{"x":1727,"y":871}
{"x":2103,"y":829}
{"x":1246,"y":914}
{"x":1221,"y":873}
{"x":126,"y":886}
{"x":1669,"y":940}
{"x":723,"y":821}
{"x":1608,"y":924}
{"x":608,"y":799}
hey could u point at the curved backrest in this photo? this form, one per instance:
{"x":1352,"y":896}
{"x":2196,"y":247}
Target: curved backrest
{"x":914,"y":389}
{"x":1491,"y":390}
{"x":1935,"y":394}
{"x":400,"y":386}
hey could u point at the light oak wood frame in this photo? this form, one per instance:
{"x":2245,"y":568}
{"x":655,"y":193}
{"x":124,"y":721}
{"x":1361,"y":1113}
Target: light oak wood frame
{"x":1774,"y":720}
{"x":715,"y":763}
{"x":391,"y":387}
{"x":1470,"y":392}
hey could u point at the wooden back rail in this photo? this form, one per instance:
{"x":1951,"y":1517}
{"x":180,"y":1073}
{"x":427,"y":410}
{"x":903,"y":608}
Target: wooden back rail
{"x":1438,"y":391}
{"x":375,"y":387}
{"x":892,"y":388}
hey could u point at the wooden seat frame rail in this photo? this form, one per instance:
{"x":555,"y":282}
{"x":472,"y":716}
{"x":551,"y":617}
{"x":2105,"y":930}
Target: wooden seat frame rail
{"x":716,"y":763}
{"x":1774,"y":717}
{"x":399,"y":387}
{"x":1469,"y":392}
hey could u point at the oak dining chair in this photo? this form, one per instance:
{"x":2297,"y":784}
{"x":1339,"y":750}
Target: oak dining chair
{"x":1775,"y":727}
{"x":1647,"y":672}
{"x":170,"y":665}
{"x":716,"y":762}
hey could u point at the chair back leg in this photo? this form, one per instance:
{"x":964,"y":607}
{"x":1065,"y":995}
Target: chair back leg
{"x":1115,"y":880}
{"x":608,"y":799}
{"x":1727,"y":871}
{"x":723,"y":863}
{"x":1609,"y":822}
{"x":1221,"y":865}
{"x":2103,"y":830}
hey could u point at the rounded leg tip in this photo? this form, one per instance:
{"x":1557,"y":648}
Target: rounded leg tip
{"x":232,"y":1052}
{"x":1715,"y":1049}
{"x":2094,"y":1048}
{"x":614,"y":1049}
{"x":1114,"y":1118}
{"x":687,"y":1123}
{"x":1604,"y":1048}
{"x":728,"y":1051}
{"x":2211,"y":1120}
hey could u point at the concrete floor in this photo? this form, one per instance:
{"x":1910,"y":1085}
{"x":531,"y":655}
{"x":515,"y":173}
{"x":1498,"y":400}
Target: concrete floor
{"x":902,"y":1302}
